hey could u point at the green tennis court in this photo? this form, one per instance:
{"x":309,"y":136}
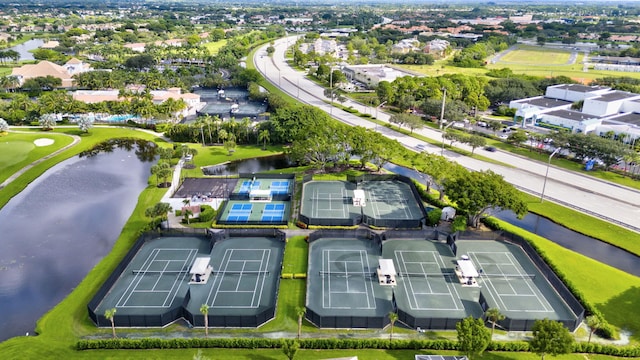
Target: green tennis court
{"x":342,"y":290}
{"x":387,"y":203}
{"x":237,"y":278}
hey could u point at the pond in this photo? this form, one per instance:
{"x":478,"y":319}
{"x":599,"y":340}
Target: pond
{"x":255,"y":165}
{"x":60,"y":227}
{"x":25,"y":48}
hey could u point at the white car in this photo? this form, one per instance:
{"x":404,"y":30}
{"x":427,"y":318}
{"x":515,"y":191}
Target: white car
{"x":504,"y":136}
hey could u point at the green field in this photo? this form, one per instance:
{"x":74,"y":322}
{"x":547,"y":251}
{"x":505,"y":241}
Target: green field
{"x":215,"y":46}
{"x":528,"y":60}
{"x":532,"y":56}
{"x":18,"y":150}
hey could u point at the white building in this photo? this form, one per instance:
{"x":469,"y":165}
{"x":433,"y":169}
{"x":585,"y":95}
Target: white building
{"x":603,"y":110}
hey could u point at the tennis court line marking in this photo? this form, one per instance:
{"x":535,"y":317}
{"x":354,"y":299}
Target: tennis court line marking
{"x":539,"y":297}
{"x":408,"y":285}
{"x":260,"y":280}
{"x":132,"y":288}
{"x":368,"y":284}
{"x":373,"y":197}
{"x":331,"y":197}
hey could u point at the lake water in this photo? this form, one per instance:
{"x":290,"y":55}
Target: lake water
{"x":59,"y":228}
{"x":24,"y":48}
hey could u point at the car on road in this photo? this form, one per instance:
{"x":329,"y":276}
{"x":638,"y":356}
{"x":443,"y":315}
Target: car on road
{"x":490,"y":148}
{"x":420,"y":147}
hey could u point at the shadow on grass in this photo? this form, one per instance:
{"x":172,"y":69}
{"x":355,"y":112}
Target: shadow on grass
{"x":622,"y":311}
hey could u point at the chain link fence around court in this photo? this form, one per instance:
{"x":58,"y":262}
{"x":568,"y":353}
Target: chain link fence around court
{"x":558,"y":285}
{"x":141,"y":320}
{"x":362,"y":217}
{"x":178,"y":311}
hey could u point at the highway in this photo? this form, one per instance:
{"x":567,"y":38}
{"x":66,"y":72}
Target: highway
{"x":612,"y":202}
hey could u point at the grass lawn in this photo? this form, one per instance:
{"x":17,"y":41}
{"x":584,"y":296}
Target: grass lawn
{"x":213,"y":155}
{"x":530,"y":55}
{"x":215,"y":46}
{"x":18,"y":150}
{"x":519,"y":61}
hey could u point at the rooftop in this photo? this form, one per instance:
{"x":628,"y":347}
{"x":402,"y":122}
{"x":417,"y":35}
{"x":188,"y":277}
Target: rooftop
{"x":545,"y":102}
{"x":571,"y":115}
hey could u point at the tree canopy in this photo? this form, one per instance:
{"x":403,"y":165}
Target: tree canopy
{"x":479,"y":194}
{"x":473,"y":336}
{"x":550,"y":337}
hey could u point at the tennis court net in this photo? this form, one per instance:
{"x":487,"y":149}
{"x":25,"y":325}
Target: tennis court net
{"x":418,"y":274}
{"x":508,"y":276}
{"x":346,"y":274}
{"x":257,"y":273}
{"x":159,"y":272}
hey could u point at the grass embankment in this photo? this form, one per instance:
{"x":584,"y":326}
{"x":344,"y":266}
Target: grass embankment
{"x":18,"y":150}
{"x":96,"y":136}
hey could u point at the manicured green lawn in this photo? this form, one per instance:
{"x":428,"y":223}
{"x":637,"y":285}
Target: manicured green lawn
{"x":529,"y":55}
{"x":215,"y":46}
{"x":18,"y":150}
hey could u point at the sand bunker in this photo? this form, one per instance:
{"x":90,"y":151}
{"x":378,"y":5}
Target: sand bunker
{"x":43,"y":142}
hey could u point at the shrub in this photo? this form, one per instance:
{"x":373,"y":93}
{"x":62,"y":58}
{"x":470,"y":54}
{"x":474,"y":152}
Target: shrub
{"x":300,"y":275}
{"x":207,"y":213}
{"x":433,"y":217}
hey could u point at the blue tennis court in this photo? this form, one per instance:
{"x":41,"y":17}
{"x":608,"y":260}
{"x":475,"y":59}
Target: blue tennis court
{"x":249,"y":185}
{"x":240,"y":212}
{"x":280,"y":187}
{"x":273,"y":212}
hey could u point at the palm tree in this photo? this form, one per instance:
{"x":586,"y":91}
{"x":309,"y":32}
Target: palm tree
{"x":300,"y":311}
{"x":204,"y":309}
{"x":264,"y":136}
{"x":494,"y":315}
{"x":393,"y":317}
{"x":109,"y":314}
{"x":594,"y":322}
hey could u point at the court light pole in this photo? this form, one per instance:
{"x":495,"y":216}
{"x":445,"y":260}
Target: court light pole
{"x":544,"y":184}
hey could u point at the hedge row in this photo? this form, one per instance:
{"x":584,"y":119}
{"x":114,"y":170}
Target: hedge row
{"x":606,"y":331}
{"x":293,"y":276}
{"x":263,"y":343}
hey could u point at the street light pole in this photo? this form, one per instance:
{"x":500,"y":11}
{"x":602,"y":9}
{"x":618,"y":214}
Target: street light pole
{"x":377,"y":107}
{"x":544,"y":185}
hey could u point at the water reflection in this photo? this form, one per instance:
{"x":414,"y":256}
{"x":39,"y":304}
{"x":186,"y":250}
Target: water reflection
{"x":25,"y":48}
{"x":585,"y":245}
{"x":255,"y":165}
{"x":59,"y":227}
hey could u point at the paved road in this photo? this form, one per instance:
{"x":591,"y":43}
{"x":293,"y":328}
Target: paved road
{"x":600,"y":198}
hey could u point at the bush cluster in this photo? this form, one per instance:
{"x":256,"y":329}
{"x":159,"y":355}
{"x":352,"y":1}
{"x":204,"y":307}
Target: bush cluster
{"x":264,"y":343}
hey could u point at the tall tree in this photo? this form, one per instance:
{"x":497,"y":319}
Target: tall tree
{"x":110,"y":314}
{"x":550,"y":337}
{"x":494,"y":315}
{"x":479,"y":194}
{"x":204,"y":310}
{"x":473,"y":336}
